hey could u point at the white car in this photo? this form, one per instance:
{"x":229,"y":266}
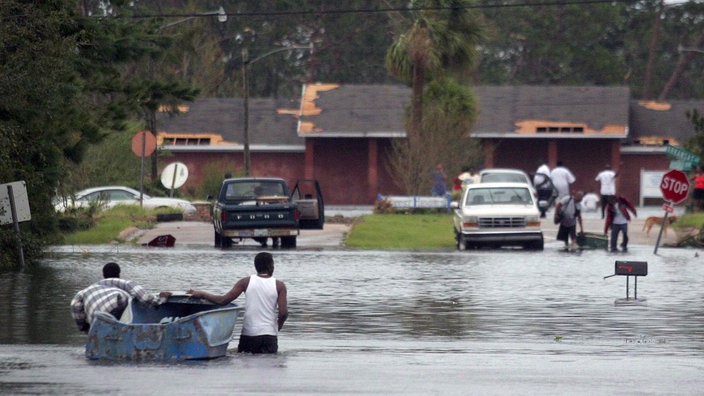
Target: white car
{"x":497,"y":214}
{"x":495,"y":175}
{"x":110,"y":196}
{"x":518,"y":176}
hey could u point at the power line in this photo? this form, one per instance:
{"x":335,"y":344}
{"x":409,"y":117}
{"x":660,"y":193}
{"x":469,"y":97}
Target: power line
{"x":495,"y":5}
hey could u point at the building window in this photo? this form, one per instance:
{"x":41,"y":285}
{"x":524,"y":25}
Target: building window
{"x":187,"y":141}
{"x":559,"y":129}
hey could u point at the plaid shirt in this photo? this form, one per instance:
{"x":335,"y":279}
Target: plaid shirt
{"x":106,"y":296}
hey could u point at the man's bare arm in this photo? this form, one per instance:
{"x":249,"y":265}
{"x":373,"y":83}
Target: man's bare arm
{"x":282,"y":301}
{"x":239,"y":288}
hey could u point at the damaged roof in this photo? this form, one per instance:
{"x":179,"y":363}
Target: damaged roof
{"x":655,"y":123}
{"x":569,"y":111}
{"x":271,"y":121}
{"x":332,"y":110}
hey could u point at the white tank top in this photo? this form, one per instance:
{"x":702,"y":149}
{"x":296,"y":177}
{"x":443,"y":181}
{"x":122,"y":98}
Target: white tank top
{"x":261,"y":313}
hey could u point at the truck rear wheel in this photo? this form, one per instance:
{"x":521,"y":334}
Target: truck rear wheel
{"x":218,"y":239}
{"x":288,"y":242}
{"x":221,"y":241}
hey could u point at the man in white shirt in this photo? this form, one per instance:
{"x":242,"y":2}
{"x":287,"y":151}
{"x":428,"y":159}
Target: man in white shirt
{"x":590,"y":202}
{"x":266,"y":309}
{"x":561,"y":179}
{"x":607,"y":180}
{"x":543,"y":186}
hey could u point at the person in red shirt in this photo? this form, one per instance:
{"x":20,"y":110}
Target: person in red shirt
{"x":617,"y":218}
{"x":698,"y":194}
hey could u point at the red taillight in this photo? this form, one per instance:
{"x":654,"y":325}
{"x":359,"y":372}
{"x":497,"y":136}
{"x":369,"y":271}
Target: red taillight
{"x":223,"y":217}
{"x":297,"y":214}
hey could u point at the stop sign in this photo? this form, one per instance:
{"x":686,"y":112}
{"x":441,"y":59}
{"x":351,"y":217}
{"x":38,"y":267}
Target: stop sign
{"x":143,"y":141}
{"x":674,"y":186}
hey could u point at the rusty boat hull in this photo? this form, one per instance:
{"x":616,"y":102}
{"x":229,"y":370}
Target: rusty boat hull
{"x":182,"y":328}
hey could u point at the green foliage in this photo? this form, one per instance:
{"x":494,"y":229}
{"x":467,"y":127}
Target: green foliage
{"x":441,"y":41}
{"x":593,"y":44}
{"x":555,"y":45}
{"x":79,"y":219}
{"x":43,"y":116}
{"x":63,"y":87}
{"x":694,"y":220}
{"x":110,"y":162}
{"x":395,"y":231}
{"x":695,"y":144}
{"x":449,"y":109}
{"x":215,"y":173}
{"x":109,"y":224}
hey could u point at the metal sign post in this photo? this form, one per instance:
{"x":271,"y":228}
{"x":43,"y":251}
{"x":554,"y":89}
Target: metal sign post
{"x":174,"y":176}
{"x":143,"y":145}
{"x":674,"y":187}
{"x":16,"y":224}
{"x":668,"y":209}
{"x":14,"y":208}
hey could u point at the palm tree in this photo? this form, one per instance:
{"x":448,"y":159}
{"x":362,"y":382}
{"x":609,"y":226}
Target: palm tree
{"x":441,"y":41}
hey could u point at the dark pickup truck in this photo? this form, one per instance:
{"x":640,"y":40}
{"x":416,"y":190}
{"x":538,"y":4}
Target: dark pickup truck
{"x":262,"y":208}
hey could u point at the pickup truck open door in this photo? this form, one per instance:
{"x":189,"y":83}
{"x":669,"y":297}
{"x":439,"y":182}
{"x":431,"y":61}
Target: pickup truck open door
{"x":307,"y":196}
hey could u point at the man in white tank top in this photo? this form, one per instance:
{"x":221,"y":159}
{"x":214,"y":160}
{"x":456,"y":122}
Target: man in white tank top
{"x":266,"y":309}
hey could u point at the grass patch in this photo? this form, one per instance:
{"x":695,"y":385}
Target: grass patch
{"x":109,"y":224}
{"x":399,"y":231}
{"x":695,"y":220}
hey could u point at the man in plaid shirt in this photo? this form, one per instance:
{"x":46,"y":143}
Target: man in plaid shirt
{"x":110,"y":295}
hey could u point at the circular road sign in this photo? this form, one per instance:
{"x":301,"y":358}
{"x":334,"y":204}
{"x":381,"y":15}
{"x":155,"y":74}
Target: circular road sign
{"x":674,"y":186}
{"x":174,"y":175}
{"x":146,"y":139}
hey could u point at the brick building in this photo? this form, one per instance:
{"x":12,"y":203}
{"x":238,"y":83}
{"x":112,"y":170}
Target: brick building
{"x":341,"y":135}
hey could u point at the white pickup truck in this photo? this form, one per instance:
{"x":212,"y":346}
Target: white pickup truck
{"x":498,"y":214}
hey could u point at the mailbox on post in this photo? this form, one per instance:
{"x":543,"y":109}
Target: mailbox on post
{"x":628,"y":269}
{"x":632,"y":268}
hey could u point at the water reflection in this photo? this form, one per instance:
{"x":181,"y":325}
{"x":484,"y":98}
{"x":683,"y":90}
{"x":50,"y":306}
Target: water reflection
{"x":497,"y":296}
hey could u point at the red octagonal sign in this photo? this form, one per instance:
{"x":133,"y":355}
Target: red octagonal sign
{"x":674,"y":186}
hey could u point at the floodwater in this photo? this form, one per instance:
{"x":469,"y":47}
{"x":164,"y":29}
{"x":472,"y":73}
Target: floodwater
{"x":479,"y":322}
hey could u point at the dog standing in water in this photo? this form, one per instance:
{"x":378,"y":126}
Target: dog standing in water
{"x":653,"y":220}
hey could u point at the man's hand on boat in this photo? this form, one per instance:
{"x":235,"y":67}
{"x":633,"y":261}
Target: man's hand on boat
{"x":163,"y":296}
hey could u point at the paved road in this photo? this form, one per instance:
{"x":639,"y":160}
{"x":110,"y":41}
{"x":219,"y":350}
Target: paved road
{"x":201,"y":233}
{"x":592,"y":222}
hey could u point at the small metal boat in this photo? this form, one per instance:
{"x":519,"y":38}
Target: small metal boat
{"x":592,"y":240}
{"x":181,"y":328}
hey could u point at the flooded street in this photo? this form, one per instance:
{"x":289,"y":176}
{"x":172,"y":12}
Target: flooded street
{"x":484,"y":322}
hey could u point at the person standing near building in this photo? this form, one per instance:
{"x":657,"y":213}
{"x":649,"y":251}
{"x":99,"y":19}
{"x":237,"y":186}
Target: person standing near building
{"x":562,"y":178}
{"x":568,"y":212}
{"x":543,"y":186}
{"x":617,"y":218}
{"x":459,"y":180}
{"x":468,"y":176}
{"x":266,"y":309}
{"x":439,"y":179}
{"x":590,"y":202}
{"x":607,"y":180}
{"x":698,"y":193}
